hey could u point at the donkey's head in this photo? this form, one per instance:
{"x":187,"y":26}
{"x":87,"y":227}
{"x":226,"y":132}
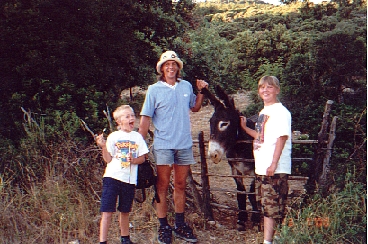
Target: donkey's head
{"x":224,"y":124}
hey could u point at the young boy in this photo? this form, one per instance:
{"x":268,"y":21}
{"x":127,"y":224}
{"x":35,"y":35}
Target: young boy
{"x":272,"y":154}
{"x":122,"y":151}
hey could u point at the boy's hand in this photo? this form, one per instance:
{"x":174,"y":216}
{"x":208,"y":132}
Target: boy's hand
{"x":130,"y":158}
{"x":100,"y":140}
{"x":243,"y":121}
{"x":271,"y":170}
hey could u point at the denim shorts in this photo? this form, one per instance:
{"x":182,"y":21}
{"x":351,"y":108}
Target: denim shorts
{"x":113,"y":190}
{"x":173,"y":156}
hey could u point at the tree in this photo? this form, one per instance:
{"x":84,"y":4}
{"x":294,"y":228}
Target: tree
{"x":77,"y":55}
{"x":339,"y":57}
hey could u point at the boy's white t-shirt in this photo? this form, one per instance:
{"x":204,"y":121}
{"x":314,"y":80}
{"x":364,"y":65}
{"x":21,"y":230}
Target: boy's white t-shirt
{"x":274,"y":122}
{"x":119,"y":144}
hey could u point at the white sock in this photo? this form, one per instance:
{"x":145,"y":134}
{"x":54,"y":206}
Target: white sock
{"x":267,"y":242}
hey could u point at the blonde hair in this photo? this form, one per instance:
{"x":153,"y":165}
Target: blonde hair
{"x":270,"y":80}
{"x":118,"y":111}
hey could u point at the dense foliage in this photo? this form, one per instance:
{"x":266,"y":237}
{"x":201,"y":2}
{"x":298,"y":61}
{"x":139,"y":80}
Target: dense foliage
{"x":317,"y":51}
{"x":77,"y":56}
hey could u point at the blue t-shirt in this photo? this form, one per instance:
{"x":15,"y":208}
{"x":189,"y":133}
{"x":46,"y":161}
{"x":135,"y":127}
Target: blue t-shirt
{"x":169,"y":108}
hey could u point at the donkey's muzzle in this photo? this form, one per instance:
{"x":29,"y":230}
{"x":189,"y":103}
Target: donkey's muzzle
{"x":215,"y":151}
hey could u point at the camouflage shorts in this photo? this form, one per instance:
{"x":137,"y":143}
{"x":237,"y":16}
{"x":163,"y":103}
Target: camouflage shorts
{"x":271,"y":194}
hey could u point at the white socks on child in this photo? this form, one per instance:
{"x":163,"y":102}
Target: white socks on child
{"x":267,"y":242}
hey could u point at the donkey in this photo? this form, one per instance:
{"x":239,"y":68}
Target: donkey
{"x":227,"y":138}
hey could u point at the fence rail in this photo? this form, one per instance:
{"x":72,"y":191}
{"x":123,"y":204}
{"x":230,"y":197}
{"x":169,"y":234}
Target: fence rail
{"x":206,"y":189}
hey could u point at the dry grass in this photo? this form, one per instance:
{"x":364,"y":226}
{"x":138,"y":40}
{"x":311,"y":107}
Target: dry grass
{"x":50,"y":194}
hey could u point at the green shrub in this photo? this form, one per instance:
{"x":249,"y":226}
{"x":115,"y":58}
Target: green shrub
{"x":339,"y":218}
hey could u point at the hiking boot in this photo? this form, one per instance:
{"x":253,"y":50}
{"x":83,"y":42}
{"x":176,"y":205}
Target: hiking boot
{"x":165,"y":234}
{"x":185,"y":232}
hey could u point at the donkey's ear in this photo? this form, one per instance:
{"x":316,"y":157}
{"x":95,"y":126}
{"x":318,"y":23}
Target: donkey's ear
{"x":229,"y":102}
{"x":214,"y":101}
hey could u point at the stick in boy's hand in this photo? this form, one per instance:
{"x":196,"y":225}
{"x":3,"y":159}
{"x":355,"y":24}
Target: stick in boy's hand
{"x":85,"y":126}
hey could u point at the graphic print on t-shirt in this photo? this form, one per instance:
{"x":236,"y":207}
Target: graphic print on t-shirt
{"x":123,"y":148}
{"x":260,"y":125}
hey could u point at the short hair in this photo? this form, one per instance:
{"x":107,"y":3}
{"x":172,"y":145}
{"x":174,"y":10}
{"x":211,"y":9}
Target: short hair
{"x":118,"y":111}
{"x":270,"y":80}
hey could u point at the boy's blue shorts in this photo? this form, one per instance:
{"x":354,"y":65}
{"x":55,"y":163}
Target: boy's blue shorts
{"x":112,"y":190}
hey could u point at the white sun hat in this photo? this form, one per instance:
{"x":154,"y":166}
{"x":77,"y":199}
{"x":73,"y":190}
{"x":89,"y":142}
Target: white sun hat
{"x":166,"y":56}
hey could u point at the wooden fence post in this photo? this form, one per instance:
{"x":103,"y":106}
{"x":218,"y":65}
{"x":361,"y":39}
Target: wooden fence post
{"x":206,"y":197}
{"x":315,"y":168}
{"x":323,"y":179}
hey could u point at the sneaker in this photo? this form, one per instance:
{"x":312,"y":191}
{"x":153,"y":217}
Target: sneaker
{"x":165,"y":234}
{"x":125,"y":241}
{"x":240,"y":225}
{"x":185,"y":232}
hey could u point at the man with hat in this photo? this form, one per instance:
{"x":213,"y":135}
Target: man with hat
{"x":167,"y":104}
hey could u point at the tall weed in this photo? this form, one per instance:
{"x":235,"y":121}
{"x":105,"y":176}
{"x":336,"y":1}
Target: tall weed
{"x":339,"y":218}
{"x":49,"y":186}
{"x":50,"y":192}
